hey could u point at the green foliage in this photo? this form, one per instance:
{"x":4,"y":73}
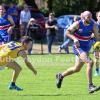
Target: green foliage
{"x":20,"y":2}
{"x":45,"y":12}
{"x":58,"y":6}
{"x":11,"y":1}
{"x":62,"y":7}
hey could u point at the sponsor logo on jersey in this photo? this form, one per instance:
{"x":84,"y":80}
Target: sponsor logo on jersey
{"x":80,"y":30}
{"x":90,"y":31}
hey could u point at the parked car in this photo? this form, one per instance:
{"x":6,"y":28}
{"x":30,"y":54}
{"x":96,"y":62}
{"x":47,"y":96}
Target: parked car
{"x":63,"y":21}
{"x":39,"y":17}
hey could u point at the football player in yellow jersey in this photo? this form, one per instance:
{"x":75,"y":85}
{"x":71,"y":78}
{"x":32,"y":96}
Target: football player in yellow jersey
{"x":13,"y":50}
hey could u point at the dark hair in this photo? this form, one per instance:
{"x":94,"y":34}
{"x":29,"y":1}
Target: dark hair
{"x":26,"y":39}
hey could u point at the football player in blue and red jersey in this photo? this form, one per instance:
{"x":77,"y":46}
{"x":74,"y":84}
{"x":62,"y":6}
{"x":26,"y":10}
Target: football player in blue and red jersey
{"x":83,"y":31}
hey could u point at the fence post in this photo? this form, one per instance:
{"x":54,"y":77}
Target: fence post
{"x":41,"y":42}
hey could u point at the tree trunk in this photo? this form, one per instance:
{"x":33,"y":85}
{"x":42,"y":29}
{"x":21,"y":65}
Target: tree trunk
{"x":31,"y":3}
{"x":49,"y":4}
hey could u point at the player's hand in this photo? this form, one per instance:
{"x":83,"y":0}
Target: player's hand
{"x":92,"y":35}
{"x":35,"y":72}
{"x":76,"y":42}
{"x":9,"y":31}
{"x":53,"y":26}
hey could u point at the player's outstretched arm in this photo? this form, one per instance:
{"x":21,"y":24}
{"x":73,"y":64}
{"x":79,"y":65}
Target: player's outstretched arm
{"x":28,"y":64}
{"x":12,"y":24}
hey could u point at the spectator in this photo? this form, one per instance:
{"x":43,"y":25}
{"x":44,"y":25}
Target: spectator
{"x":13,"y":12}
{"x":51,"y":26}
{"x":25,"y":16}
{"x":67,"y":40}
{"x":3,"y":4}
{"x":31,"y":31}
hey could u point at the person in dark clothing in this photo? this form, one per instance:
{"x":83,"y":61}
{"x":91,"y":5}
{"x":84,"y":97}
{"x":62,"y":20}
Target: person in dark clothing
{"x":31,"y":31}
{"x":51,"y":26}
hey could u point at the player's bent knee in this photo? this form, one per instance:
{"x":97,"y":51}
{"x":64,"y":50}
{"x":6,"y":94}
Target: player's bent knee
{"x":19,"y":69}
{"x":76,"y":70}
{"x":91,"y":62}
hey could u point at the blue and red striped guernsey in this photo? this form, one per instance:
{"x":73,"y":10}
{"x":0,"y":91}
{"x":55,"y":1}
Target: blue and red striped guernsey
{"x":98,"y":28}
{"x":98,"y":32}
{"x":4,"y":24}
{"x":83,"y":33}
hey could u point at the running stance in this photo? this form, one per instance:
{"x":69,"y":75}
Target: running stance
{"x":83,"y":30}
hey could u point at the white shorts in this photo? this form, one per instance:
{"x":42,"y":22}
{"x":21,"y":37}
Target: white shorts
{"x":2,"y":67}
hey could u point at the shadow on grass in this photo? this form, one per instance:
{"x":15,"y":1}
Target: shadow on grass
{"x":54,"y":94}
{"x":52,"y":54}
{"x":49,"y":95}
{"x":42,"y":95}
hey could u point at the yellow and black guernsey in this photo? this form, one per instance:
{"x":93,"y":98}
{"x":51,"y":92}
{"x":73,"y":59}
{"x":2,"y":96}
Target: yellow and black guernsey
{"x":9,"y":52}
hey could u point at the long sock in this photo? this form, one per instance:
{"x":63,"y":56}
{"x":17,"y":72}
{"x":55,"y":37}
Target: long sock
{"x":90,"y":84}
{"x":12,"y":84}
{"x":61,"y":76}
{"x":97,"y":69}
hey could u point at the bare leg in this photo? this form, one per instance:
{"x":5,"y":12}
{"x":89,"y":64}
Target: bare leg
{"x":85,"y":58}
{"x":78,"y":65}
{"x":76,"y":68}
{"x":96,"y":55}
{"x":96,"y":62}
{"x":16,"y":68}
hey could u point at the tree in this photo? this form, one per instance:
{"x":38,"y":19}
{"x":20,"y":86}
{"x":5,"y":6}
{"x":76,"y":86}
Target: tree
{"x":61,"y":7}
{"x":49,"y":2}
{"x":31,"y":3}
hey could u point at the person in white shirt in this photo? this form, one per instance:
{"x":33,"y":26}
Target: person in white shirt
{"x":25,"y":16}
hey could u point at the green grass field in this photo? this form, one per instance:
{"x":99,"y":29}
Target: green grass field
{"x":43,"y":86}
